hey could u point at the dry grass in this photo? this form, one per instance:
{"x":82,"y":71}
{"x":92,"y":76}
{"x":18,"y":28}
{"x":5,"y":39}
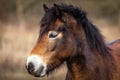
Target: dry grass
{"x":16,"y":43}
{"x":109,"y":31}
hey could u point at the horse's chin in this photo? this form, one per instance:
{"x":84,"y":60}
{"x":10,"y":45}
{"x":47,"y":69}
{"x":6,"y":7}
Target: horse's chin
{"x":48,"y":71}
{"x":39,"y":75}
{"x":45,"y":72}
{"x":52,"y":69}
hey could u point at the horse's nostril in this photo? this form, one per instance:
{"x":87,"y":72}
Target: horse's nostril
{"x":30,"y":67}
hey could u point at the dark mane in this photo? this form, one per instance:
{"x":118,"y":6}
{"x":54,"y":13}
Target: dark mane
{"x":94,"y":38}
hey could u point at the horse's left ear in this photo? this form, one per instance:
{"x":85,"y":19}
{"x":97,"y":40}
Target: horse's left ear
{"x":45,"y":7}
{"x":58,"y":12}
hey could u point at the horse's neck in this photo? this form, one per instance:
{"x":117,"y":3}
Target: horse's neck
{"x":76,"y":69}
{"x":92,"y":67}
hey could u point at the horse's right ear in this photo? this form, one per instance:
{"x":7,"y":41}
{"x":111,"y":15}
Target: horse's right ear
{"x":45,"y":7}
{"x":58,"y":12}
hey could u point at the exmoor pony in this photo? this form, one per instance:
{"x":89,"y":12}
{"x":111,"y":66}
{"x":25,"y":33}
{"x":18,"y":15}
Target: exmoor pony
{"x":67,"y":36}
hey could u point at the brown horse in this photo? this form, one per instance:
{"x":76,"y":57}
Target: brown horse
{"x":66,"y":35}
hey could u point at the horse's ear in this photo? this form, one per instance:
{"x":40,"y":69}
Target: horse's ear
{"x":58,"y":12}
{"x":45,"y":7}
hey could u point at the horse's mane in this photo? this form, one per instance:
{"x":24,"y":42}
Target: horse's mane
{"x":93,"y":36}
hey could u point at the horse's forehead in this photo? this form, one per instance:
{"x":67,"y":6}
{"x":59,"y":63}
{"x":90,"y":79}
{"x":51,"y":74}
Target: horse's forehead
{"x":58,"y":23}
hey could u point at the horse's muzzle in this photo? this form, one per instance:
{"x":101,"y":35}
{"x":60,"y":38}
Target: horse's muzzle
{"x":35,"y":66}
{"x":31,"y":70}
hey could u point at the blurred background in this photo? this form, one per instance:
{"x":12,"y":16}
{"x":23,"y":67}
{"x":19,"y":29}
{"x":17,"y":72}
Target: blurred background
{"x":19,"y":30}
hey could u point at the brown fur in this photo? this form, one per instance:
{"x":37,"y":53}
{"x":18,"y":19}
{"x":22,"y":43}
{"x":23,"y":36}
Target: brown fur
{"x":81,"y":46}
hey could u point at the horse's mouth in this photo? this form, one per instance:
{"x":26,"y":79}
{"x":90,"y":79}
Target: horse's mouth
{"x":42,"y":73}
{"x":36,"y":67}
{"x":38,"y":74}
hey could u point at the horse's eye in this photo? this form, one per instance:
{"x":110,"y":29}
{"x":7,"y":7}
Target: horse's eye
{"x":52,"y":34}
